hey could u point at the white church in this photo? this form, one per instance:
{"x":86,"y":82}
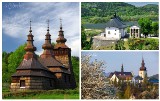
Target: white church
{"x":115,"y":29}
{"x":129,"y":76}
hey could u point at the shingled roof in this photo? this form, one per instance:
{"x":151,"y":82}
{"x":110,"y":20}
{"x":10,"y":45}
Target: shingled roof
{"x":31,"y":64}
{"x":50,"y":61}
{"x":115,"y":22}
{"x":33,"y":73}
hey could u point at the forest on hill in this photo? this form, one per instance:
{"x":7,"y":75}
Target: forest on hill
{"x":93,"y":12}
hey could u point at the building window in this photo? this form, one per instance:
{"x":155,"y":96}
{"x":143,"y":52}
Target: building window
{"x":115,"y":30}
{"x":114,"y":33}
{"x":22,"y":83}
{"x":109,"y":32}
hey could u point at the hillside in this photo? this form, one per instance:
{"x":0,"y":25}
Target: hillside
{"x":103,"y":11}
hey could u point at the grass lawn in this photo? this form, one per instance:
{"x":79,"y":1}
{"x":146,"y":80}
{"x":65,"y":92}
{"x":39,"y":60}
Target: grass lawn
{"x":50,"y":94}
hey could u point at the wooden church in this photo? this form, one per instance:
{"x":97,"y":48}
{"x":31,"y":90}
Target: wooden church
{"x":52,"y":70}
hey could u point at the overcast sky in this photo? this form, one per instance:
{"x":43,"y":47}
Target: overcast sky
{"x":131,"y":61}
{"x":16,"y":17}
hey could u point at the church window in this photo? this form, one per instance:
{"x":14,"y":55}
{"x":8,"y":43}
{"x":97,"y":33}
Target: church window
{"x":22,"y":83}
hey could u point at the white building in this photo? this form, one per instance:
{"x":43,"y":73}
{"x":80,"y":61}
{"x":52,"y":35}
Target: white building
{"x":135,"y":32}
{"x":142,"y":70}
{"x":115,"y":29}
{"x":121,"y":76}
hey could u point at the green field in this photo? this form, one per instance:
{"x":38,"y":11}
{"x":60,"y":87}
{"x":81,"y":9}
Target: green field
{"x":42,"y":94}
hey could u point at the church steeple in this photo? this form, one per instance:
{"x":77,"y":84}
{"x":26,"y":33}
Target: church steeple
{"x":47,"y":46}
{"x":30,"y":48}
{"x":143,"y":65}
{"x":61,"y":38}
{"x":122,"y":69}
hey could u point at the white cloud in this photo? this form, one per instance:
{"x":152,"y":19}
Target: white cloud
{"x":16,"y":23}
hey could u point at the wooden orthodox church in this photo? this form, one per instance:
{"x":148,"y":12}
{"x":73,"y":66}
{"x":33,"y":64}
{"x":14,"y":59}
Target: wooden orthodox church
{"x":52,"y":70}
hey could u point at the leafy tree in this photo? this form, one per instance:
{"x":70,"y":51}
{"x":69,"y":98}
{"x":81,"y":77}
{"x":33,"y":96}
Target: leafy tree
{"x":86,"y":45}
{"x":15,"y":59}
{"x":155,"y":28}
{"x":120,"y":45}
{"x":75,"y":64}
{"x":145,"y":24}
{"x":93,"y":81}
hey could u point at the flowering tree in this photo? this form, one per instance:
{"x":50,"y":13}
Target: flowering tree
{"x":94,"y":84}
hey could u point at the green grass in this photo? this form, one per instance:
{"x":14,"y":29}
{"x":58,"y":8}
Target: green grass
{"x":50,"y":94}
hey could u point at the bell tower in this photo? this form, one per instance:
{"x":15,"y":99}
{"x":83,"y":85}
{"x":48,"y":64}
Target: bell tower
{"x":63,"y":54}
{"x":142,"y":70}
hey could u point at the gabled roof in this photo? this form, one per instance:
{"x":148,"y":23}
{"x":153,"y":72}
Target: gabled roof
{"x":115,"y":22}
{"x":31,"y":64}
{"x":32,"y":67}
{"x":33,"y":73}
{"x":122,"y":75}
{"x":50,"y":61}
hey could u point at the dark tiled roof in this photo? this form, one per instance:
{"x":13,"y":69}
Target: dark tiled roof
{"x":50,"y":61}
{"x":41,"y":73}
{"x":115,"y":22}
{"x":31,"y":64}
{"x":138,"y":78}
{"x":122,"y":75}
{"x":143,"y":68}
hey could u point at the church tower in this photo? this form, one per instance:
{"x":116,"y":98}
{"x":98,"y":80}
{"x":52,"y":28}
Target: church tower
{"x":122,"y":69}
{"x":63,"y":54}
{"x":142,"y":70}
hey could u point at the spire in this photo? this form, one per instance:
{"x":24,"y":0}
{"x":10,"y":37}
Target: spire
{"x":48,"y":25}
{"x":142,"y":64}
{"x":122,"y":69}
{"x":30,"y":48}
{"x":30,"y":26}
{"x":61,"y":38}
{"x":47,"y":46}
{"x":60,"y":24}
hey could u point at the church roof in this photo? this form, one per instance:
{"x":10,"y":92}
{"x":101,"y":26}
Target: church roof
{"x":31,"y":64}
{"x":60,"y":46}
{"x":122,"y":75}
{"x":34,"y":73}
{"x":115,"y":22}
{"x":50,"y":61}
{"x":138,"y":78}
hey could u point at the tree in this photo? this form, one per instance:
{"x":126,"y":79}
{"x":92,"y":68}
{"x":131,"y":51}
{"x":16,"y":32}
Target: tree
{"x":86,"y":45}
{"x":120,"y":45}
{"x":83,"y":37}
{"x":75,"y":64}
{"x":145,"y":24}
{"x":155,"y":28}
{"x":127,"y":93}
{"x":15,"y":59}
{"x":93,"y":81}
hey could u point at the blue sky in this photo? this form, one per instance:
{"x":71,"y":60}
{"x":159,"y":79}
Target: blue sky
{"x":139,"y":4}
{"x":131,"y":61}
{"x":16,"y":17}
